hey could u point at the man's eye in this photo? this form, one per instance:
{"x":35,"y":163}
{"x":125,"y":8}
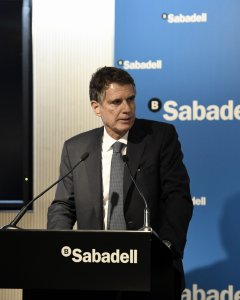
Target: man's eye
{"x":131,"y":98}
{"x":116,"y":102}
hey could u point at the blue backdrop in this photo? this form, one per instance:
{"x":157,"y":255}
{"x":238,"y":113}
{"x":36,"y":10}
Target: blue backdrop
{"x":185,"y":58}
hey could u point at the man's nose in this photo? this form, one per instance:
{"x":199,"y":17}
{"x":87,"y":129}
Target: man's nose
{"x":126,"y":105}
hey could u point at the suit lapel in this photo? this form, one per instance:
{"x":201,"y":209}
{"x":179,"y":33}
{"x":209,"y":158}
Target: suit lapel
{"x":135,"y":148}
{"x":94,"y":173}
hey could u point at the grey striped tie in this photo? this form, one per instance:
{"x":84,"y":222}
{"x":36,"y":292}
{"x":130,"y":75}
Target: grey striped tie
{"x":116,"y":220}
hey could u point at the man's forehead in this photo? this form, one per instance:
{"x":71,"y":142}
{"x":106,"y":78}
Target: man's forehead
{"x":115,"y":87}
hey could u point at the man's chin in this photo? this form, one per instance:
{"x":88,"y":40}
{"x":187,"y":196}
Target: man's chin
{"x":122,"y":128}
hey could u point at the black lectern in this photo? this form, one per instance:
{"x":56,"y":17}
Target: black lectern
{"x":35,"y":260}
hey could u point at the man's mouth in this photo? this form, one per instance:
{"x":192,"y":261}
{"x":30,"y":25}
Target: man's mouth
{"x":125,"y":119}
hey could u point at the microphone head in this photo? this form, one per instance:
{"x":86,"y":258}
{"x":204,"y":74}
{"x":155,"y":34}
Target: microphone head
{"x":125,"y":158}
{"x":84,"y":156}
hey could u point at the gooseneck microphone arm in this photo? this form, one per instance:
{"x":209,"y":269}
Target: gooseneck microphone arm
{"x":21,"y":213}
{"x":146,"y":224}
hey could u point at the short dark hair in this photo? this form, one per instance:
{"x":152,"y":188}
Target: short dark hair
{"x":103,"y":77}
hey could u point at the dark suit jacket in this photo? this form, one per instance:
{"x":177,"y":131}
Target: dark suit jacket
{"x":155,"y":161}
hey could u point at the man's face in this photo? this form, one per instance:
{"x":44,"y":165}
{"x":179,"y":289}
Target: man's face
{"x":117,"y":109}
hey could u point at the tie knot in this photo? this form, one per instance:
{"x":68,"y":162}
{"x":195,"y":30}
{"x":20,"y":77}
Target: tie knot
{"x":117,"y":147}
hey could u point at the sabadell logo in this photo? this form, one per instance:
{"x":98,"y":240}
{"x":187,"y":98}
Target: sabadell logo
{"x":196,"y":111}
{"x":195,"y":292}
{"x":140,"y":65}
{"x":181,"y":18}
{"x":77,"y":255}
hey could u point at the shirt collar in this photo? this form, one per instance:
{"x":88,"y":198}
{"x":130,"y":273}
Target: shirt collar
{"x":108,"y":141}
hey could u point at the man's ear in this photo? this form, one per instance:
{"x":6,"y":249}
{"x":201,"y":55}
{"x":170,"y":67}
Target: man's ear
{"x":96,"y":107}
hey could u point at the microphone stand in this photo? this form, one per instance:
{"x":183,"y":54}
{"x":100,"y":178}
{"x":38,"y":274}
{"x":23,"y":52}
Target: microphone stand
{"x":13,"y":224}
{"x":146,"y":222}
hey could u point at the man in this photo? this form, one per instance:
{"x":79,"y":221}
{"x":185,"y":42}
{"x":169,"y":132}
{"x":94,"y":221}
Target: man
{"x":154,"y":158}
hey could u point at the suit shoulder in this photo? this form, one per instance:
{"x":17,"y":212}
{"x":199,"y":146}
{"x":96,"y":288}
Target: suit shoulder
{"x":154,"y":125}
{"x":84,"y":136}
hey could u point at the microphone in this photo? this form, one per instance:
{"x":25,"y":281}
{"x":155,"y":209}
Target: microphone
{"x":22,"y":212}
{"x":146,"y":224}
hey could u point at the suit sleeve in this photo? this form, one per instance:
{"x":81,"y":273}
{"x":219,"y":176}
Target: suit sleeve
{"x":62,"y":213}
{"x":176,"y":197}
